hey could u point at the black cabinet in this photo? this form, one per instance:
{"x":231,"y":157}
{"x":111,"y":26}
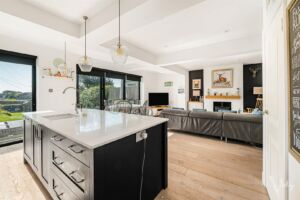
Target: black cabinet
{"x":119,"y":167}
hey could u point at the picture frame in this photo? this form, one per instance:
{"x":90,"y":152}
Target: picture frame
{"x":222,"y":78}
{"x":293,"y":33}
{"x":196,"y":84}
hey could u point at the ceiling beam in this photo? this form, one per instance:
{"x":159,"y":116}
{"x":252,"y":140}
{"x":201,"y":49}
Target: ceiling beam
{"x":223,"y":49}
{"x":30,"y":13}
{"x":135,"y":14}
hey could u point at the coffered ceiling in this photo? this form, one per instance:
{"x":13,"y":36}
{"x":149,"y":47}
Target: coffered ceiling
{"x":159,"y":33}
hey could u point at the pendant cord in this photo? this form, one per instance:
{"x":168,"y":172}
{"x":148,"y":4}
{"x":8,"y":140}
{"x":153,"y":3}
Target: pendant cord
{"x":65,"y":52}
{"x":119,"y":44}
{"x":85,"y":36}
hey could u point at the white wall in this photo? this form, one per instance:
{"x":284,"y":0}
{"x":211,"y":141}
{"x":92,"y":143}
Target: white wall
{"x":237,"y":83}
{"x":56,"y":100}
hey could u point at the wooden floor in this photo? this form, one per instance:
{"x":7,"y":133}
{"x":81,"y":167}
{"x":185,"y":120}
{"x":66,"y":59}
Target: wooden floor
{"x":200,"y":168}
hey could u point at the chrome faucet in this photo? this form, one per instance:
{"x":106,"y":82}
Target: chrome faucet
{"x":77,"y":93}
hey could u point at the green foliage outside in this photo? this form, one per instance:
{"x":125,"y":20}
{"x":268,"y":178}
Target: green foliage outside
{"x":7,"y":116}
{"x":90,"y":91}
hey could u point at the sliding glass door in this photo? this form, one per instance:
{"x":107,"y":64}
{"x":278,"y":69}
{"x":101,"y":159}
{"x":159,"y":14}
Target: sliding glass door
{"x":89,"y":91}
{"x":17,"y":94}
{"x":114,"y":89}
{"x":103,"y":87}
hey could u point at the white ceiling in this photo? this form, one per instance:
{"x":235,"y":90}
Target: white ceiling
{"x":206,"y":23}
{"x":159,"y":33}
{"x":71,"y":10}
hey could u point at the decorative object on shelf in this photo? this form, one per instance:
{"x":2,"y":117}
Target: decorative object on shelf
{"x":254,"y":71}
{"x":85,"y":63}
{"x":119,"y":52}
{"x":208,"y":92}
{"x":238,"y":91}
{"x":222,"y":78}
{"x":61,"y":69}
{"x":168,"y":84}
{"x":58,"y":61}
{"x":196,"y":84}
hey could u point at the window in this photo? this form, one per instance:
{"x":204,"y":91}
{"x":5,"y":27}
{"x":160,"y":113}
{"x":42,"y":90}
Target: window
{"x":102,"y":87}
{"x":17,"y":94}
{"x":114,"y":89}
{"x":133,"y":91}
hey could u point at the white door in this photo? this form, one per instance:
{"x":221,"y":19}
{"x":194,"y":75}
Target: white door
{"x":274,"y":105}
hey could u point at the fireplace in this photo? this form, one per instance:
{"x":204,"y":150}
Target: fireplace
{"x":222,"y":106}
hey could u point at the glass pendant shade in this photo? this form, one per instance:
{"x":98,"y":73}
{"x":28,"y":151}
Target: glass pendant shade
{"x":119,"y":54}
{"x":85,"y":64}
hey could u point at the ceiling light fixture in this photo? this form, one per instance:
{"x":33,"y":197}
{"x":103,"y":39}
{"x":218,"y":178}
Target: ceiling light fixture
{"x":85,"y":63}
{"x":119,"y":52}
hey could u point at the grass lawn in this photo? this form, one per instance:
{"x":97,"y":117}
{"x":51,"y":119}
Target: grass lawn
{"x":13,"y":117}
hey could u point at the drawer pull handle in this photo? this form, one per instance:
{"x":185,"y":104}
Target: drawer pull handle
{"x":58,"y":194}
{"x":74,"y":178}
{"x":57,"y":138}
{"x":74,"y":150}
{"x":57,"y":162}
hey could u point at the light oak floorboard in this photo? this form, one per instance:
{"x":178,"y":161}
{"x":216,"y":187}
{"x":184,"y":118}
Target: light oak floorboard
{"x":200,"y":168}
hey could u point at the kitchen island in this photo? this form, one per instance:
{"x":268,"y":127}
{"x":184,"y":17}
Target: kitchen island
{"x":97,"y":154}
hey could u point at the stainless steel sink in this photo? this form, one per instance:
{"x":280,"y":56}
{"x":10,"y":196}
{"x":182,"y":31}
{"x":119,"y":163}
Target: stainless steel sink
{"x":60,"y":116}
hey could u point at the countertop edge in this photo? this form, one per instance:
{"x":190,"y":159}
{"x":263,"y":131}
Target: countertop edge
{"x":92,"y":147}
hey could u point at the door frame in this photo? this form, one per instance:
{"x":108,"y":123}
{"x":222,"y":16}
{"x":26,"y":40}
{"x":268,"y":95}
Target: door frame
{"x":20,"y":58}
{"x":280,"y":10}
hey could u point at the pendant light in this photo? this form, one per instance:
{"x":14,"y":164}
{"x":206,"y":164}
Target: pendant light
{"x":119,"y":52}
{"x":85,"y":63}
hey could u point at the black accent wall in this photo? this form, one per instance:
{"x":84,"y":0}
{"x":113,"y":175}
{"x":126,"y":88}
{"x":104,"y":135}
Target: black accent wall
{"x":197,"y":74}
{"x":249,"y":83}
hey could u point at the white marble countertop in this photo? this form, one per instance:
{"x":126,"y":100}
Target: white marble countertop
{"x":97,"y":128}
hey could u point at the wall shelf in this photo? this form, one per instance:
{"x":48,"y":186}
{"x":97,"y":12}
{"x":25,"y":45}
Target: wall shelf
{"x":222,"y":97}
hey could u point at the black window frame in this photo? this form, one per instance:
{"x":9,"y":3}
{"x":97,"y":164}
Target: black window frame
{"x":104,"y":73}
{"x":20,"y":58}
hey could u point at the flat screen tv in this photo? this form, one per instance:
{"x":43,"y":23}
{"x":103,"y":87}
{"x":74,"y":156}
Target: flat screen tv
{"x":158,"y":99}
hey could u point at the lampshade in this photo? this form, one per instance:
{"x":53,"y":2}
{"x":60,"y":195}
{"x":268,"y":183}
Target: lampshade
{"x":257,"y":90}
{"x":85,"y":64}
{"x":119,"y":54}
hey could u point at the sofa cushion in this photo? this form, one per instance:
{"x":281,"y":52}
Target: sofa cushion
{"x":207,"y":115}
{"x":176,"y":112}
{"x":243,"y":117}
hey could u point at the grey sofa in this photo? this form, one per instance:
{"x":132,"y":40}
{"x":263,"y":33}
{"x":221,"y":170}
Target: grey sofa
{"x":244,"y":127}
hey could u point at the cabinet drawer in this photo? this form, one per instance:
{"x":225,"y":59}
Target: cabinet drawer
{"x":78,"y":151}
{"x":59,"y":190}
{"x":77,"y":172}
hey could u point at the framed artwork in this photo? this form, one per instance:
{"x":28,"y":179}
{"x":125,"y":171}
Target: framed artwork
{"x":293,"y":33}
{"x":222,"y":78}
{"x":168,"y":84}
{"x":196,"y":84}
